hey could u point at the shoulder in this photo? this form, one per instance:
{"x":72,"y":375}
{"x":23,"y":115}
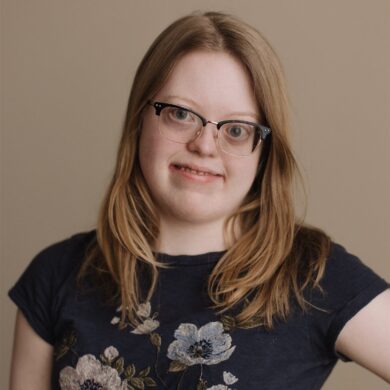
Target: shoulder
{"x":347,"y":285}
{"x":70,"y":247}
{"x":61,"y":257}
{"x":343,"y":264}
{"x":44,"y":282}
{"x":348,"y":278}
{"x":340,"y":262}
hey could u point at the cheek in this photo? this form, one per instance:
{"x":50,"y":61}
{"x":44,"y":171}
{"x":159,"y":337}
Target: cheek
{"x":154,"y":154}
{"x":243,"y":170}
{"x":146,"y":148}
{"x":142,"y":151}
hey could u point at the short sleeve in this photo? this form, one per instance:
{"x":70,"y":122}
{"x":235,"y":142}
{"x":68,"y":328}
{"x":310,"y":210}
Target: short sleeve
{"x":348,"y":285}
{"x":35,"y":291}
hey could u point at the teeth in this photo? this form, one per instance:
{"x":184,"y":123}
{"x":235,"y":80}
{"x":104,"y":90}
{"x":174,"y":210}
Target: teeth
{"x":194,"y":172}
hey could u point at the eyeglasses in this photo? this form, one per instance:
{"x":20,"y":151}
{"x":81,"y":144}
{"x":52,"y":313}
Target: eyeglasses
{"x":182,"y":125}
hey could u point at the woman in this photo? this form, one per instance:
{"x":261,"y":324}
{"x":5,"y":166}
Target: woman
{"x":199,"y":274}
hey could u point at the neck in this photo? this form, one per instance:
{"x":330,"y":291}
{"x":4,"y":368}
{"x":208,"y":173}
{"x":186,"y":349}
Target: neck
{"x":183,"y":238}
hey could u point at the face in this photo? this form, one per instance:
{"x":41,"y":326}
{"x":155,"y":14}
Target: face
{"x":215,"y":85}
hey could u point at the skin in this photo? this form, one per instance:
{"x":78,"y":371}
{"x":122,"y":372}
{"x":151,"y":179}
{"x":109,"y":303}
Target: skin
{"x":365,"y":339}
{"x":215,"y":85}
{"x":31,"y":358}
{"x":192,"y":214}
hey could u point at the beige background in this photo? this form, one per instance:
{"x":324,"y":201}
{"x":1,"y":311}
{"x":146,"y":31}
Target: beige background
{"x":67,"y":68}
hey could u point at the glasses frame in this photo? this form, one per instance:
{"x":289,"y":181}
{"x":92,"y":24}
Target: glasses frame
{"x":264,"y":131}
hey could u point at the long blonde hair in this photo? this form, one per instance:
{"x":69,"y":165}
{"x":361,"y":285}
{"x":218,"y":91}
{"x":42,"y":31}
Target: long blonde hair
{"x":276,"y":256}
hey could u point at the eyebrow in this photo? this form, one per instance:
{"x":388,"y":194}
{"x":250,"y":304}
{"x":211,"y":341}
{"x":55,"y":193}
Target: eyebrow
{"x":194,"y":103}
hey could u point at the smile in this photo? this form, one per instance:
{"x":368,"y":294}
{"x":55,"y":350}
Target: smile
{"x":195,"y":171}
{"x":193,"y":174}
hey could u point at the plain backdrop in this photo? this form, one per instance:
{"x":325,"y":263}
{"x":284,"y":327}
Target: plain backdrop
{"x":66,"y":72}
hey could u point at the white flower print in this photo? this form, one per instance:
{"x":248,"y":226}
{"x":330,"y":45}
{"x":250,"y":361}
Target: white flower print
{"x":229,"y":378}
{"x":110,"y":353}
{"x":115,"y":320}
{"x":207,"y":345}
{"x":90,"y":374}
{"x":144,"y":310}
{"x":148,"y":326}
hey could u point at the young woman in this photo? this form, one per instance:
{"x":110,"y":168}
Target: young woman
{"x":199,"y":274}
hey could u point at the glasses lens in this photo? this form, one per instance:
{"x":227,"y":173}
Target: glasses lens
{"x":178,"y":124}
{"x":238,"y":138}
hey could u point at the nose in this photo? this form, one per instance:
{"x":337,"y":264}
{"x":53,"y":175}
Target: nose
{"x":206,"y":140}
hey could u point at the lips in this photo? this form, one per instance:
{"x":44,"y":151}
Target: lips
{"x":197,"y":168}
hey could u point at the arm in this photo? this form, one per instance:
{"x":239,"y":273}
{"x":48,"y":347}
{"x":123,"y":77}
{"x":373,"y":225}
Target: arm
{"x":31,"y":358}
{"x":365,"y":338}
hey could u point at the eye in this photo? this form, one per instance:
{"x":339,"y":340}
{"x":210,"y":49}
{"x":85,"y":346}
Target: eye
{"x":238,"y":131}
{"x":235,"y":131}
{"x":179,"y":114}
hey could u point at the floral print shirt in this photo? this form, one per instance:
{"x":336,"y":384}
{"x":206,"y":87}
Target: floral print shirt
{"x":182,"y":343}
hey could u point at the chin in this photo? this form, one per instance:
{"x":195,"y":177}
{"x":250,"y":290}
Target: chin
{"x":199,"y":214}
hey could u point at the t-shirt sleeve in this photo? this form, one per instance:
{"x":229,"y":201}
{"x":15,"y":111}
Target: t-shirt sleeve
{"x":348,"y":285}
{"x":34,"y":292}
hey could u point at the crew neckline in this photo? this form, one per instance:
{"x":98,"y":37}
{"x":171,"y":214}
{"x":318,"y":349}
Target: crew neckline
{"x":188,"y":260}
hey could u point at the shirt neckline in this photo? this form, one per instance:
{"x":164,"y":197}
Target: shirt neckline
{"x":188,"y":260}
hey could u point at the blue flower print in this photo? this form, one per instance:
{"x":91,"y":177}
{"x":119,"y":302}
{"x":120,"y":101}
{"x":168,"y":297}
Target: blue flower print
{"x":207,"y":345}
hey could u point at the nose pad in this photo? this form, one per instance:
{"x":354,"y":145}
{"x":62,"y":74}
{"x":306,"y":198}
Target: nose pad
{"x":203,"y":128}
{"x":204,"y":144}
{"x":214,"y":129}
{"x":198,"y":133}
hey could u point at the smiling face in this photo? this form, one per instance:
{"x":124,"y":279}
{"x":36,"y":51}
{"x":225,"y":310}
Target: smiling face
{"x":215,"y":85}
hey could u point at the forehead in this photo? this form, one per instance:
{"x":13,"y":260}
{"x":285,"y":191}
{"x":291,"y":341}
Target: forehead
{"x":214,"y":82}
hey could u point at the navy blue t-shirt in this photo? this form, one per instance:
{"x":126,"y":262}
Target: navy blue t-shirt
{"x":182,"y":343}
